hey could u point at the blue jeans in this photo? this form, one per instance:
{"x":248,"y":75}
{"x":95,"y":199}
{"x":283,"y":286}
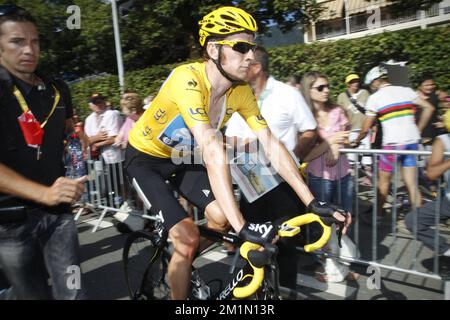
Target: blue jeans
{"x":327,"y":190}
{"x":45,"y":244}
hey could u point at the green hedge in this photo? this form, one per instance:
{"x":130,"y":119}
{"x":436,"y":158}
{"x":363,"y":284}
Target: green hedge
{"x":425,"y":50}
{"x":146,"y":82}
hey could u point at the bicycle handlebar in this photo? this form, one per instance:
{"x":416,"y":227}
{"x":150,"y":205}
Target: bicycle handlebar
{"x":306,"y":219}
{"x":258,"y":273}
{"x":288,"y":228}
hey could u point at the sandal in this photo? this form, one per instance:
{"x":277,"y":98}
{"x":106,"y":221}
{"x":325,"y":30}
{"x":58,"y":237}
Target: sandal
{"x":352,"y":276}
{"x":320,"y":274}
{"x":321,"y":277}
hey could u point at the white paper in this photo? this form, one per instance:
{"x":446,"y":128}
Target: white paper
{"x":253,"y":174}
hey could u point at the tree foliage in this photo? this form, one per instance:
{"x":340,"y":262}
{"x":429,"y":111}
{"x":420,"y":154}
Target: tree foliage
{"x":87,"y":50}
{"x":161,"y":31}
{"x":425,"y":50}
{"x":154,"y":32}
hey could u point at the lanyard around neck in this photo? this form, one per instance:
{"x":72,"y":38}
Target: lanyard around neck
{"x":24,"y":105}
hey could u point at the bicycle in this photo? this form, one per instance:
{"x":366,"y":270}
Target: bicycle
{"x":259,"y":276}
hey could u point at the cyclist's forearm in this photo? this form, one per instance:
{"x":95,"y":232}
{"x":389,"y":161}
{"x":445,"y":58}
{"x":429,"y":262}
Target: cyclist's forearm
{"x":281,"y":160}
{"x":220,"y":179}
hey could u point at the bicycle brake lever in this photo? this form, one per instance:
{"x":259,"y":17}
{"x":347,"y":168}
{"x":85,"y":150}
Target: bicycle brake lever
{"x":339,"y":233}
{"x":329,"y":221}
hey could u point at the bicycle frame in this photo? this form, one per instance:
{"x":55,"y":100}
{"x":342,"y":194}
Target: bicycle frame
{"x":216,"y":236}
{"x":260,"y":260}
{"x":240,"y":274}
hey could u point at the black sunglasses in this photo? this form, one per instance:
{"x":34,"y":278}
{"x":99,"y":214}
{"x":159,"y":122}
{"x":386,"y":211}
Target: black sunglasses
{"x":6,"y":9}
{"x":321,"y":87}
{"x":239,"y":45}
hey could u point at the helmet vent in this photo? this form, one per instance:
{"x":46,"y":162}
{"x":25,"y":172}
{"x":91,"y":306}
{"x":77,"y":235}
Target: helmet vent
{"x":227,"y":17}
{"x":233,"y":25}
{"x":243,"y":18}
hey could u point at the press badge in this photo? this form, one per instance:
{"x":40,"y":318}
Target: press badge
{"x":31,"y":130}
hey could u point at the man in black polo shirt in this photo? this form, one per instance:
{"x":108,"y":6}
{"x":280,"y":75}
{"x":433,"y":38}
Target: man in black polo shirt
{"x":36,"y":224}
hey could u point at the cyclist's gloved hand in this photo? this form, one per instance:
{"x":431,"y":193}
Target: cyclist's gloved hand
{"x":326,"y":212}
{"x":260,"y":233}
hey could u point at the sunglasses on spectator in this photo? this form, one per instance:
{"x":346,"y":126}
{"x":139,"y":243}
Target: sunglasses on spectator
{"x":6,"y":9}
{"x":321,"y":87}
{"x":240,"y":46}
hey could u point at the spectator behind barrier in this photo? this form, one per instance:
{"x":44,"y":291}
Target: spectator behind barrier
{"x":438,"y":165}
{"x":132,"y":107}
{"x":329,"y":171}
{"x":394,"y":105}
{"x":353,"y":100}
{"x":427,"y":91}
{"x":102,"y":126}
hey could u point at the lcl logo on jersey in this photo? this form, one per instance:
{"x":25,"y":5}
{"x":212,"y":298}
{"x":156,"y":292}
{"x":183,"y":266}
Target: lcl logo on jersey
{"x":160,"y":116}
{"x":148,"y":133}
{"x":198,"y":114}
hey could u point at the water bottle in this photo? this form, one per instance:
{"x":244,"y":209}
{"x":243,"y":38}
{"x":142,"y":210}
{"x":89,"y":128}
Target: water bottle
{"x":200,"y":289}
{"x":76,"y":167}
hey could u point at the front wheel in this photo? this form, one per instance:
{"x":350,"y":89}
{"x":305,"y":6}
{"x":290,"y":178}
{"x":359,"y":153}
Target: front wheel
{"x":145,"y":265}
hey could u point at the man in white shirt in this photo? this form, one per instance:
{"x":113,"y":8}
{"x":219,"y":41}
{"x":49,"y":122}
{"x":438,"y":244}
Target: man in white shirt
{"x":284,"y":108}
{"x":291,"y":121}
{"x":102,"y":126}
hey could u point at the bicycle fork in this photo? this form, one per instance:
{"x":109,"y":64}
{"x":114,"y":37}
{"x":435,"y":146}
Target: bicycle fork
{"x":200,"y":290}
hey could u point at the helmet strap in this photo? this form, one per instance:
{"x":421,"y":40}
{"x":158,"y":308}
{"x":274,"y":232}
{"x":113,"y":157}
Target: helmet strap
{"x":218,"y":64}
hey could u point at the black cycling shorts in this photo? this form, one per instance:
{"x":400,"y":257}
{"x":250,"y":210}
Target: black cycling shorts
{"x":151,"y":173}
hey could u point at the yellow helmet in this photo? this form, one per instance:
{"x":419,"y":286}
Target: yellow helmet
{"x":225,"y":21}
{"x":447,"y":120}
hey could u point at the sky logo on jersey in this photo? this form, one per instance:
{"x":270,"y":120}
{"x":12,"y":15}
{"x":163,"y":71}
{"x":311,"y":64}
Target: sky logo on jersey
{"x":177,"y":135}
{"x":199,"y":114}
{"x":160,"y":116}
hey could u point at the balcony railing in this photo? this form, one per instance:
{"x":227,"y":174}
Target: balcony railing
{"x":358,"y":23}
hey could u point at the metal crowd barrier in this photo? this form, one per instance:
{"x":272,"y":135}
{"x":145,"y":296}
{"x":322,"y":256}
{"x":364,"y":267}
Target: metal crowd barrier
{"x":106,"y":189}
{"x":375,"y":238}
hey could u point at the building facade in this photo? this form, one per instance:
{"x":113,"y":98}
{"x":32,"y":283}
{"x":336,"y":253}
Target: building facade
{"x":345,"y":19}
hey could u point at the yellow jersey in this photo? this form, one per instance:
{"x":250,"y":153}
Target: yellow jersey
{"x":183,"y":102}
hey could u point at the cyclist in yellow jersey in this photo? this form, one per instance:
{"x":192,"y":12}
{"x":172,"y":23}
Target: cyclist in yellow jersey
{"x":195,"y":101}
{"x":182,"y":103}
